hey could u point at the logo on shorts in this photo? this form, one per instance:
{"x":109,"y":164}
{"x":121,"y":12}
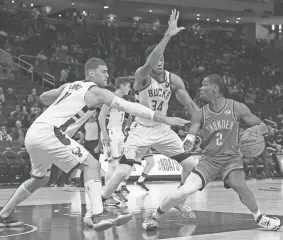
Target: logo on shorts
{"x":227,"y":112}
{"x":77,"y":152}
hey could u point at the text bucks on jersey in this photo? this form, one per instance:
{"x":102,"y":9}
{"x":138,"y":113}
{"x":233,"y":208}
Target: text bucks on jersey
{"x":156,"y":96}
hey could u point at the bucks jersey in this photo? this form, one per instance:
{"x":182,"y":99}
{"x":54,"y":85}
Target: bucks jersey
{"x":115,"y":119}
{"x":69,"y":111}
{"x":155,"y":95}
{"x":220,"y":131}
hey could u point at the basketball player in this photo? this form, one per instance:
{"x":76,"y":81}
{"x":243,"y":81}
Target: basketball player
{"x":112,"y":135}
{"x":70,"y":106}
{"x":220,"y":125}
{"x":154,"y":87}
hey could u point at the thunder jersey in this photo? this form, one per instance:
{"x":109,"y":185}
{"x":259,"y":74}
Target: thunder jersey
{"x":155,"y":95}
{"x":115,"y":119}
{"x":220,"y":131}
{"x":69,"y":112}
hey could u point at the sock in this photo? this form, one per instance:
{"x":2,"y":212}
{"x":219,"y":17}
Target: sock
{"x":142,"y":178}
{"x":257,"y":214}
{"x":93,"y":189}
{"x":88,"y":206}
{"x":18,"y":197}
{"x":157,"y":214}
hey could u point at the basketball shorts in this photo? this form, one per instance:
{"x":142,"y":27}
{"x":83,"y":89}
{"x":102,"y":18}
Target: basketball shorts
{"x":210,"y":168}
{"x":160,"y":137}
{"x":116,"y":146}
{"x":48,"y":145}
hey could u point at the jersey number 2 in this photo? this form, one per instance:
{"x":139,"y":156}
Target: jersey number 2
{"x":67,"y":94}
{"x":219,"y":139}
{"x":155,"y":107}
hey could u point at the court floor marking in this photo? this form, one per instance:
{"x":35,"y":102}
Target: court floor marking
{"x":34,"y":228}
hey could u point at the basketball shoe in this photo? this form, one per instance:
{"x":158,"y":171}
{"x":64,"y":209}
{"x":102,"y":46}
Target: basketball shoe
{"x":186,"y":210}
{"x":10,"y":222}
{"x":119,"y":195}
{"x":270,"y":223}
{"x":99,"y":222}
{"x":110,"y":202}
{"x":124,"y":189}
{"x":141,"y":185}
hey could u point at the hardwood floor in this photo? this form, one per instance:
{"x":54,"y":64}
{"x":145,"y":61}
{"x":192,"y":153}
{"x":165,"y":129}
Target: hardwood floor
{"x":55,"y":213}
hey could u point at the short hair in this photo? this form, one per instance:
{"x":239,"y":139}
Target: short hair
{"x":121,"y":81}
{"x":149,"y":50}
{"x":93,"y":63}
{"x":218,"y":81}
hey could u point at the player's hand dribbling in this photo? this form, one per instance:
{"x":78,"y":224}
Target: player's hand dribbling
{"x":175,"y":121}
{"x":173,"y":29}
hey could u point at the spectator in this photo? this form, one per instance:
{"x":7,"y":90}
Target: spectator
{"x":33,"y":98}
{"x":2,"y":96}
{"x":64,"y":75}
{"x":10,"y":95}
{"x":4,"y":136}
{"x":18,"y":114}
{"x":18,"y":133}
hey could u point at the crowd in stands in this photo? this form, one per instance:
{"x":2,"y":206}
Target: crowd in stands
{"x":249,"y":75}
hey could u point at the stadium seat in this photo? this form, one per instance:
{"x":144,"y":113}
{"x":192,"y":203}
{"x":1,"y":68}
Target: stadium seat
{"x":4,"y":170}
{"x":16,"y":144}
{"x":5,"y":144}
{"x":15,"y":167}
{"x":25,"y":161}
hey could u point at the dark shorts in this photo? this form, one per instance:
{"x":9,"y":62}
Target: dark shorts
{"x":210,"y":168}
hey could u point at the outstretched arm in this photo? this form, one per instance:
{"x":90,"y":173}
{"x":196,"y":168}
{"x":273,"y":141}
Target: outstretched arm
{"x":143,"y":72}
{"x":181,"y":94}
{"x":244,"y":113}
{"x":97,"y":96}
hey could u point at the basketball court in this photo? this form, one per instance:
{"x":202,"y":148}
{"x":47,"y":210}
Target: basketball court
{"x":55,"y":213}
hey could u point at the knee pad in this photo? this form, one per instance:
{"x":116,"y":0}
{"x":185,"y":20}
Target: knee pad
{"x":130,"y":162}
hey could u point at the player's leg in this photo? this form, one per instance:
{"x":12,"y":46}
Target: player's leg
{"x":147,"y":168}
{"x":203,"y":173}
{"x":135,"y":147}
{"x":171,"y":146}
{"x":40,"y":174}
{"x":123,"y":186}
{"x":234,"y":177}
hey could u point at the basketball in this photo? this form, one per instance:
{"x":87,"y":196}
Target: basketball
{"x":251,"y":143}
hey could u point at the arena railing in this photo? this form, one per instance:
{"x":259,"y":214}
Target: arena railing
{"x":48,"y":78}
{"x":24,"y":66}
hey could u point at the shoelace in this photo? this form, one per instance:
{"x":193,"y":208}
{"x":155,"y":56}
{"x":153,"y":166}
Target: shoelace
{"x":266,"y":222}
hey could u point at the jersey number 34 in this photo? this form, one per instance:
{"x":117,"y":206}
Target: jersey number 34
{"x":156,"y":106}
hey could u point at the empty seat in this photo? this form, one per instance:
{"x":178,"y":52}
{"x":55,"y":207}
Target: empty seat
{"x":16,"y":144}
{"x":5,"y":144}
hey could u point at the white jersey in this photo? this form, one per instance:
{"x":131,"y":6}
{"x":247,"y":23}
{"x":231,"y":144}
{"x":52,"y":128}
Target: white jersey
{"x":155,"y":96}
{"x":69,"y":112}
{"x":115,"y":119}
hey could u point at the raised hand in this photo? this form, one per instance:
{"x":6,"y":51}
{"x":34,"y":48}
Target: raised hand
{"x":173,"y":29}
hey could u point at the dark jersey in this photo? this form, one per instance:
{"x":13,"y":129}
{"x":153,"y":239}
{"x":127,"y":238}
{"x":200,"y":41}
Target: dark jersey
{"x":220,"y":131}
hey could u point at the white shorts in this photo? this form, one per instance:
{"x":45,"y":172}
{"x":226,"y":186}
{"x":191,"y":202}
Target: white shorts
{"x":48,"y":145}
{"x":116,"y":146}
{"x":160,"y":137}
